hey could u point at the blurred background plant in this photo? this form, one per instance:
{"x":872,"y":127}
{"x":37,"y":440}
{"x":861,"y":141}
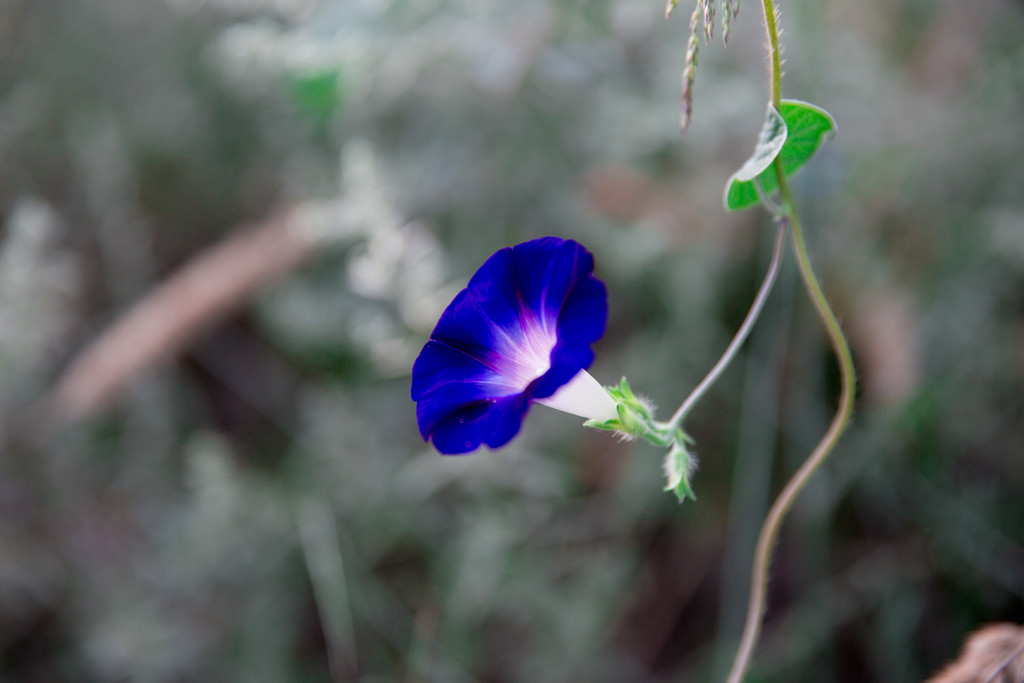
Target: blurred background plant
{"x":252,"y":501}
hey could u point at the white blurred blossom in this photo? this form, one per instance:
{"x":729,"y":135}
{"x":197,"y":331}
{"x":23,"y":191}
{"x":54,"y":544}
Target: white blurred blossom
{"x":393,"y":261}
{"x":37,"y":283}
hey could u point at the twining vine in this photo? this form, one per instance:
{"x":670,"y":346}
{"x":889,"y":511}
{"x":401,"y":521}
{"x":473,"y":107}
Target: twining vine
{"x":791,"y":134}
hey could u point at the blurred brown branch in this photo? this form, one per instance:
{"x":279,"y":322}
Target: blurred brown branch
{"x":167,"y":319}
{"x":993,"y":654}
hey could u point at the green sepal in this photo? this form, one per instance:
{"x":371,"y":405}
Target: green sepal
{"x":610,"y":425}
{"x":679,"y":467}
{"x":636,"y":421}
{"x":634,"y":416}
{"x":793,"y":133}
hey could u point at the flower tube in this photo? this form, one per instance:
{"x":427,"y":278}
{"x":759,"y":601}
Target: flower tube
{"x":519,"y":333}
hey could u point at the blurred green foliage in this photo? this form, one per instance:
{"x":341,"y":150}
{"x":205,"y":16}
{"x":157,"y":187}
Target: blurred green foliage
{"x":261,"y":507}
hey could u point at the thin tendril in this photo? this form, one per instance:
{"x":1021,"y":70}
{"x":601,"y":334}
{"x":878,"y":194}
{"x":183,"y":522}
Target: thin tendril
{"x":773,"y":522}
{"x":741,"y":334}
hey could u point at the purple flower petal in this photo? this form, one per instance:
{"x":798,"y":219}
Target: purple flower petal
{"x":489,"y":422}
{"x":520,"y":330}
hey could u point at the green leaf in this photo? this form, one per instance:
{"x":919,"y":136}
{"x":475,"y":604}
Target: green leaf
{"x":805,"y":126}
{"x":769,"y":143}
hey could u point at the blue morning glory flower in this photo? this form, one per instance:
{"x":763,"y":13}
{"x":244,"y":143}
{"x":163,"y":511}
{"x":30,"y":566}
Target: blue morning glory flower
{"x":519,"y":333}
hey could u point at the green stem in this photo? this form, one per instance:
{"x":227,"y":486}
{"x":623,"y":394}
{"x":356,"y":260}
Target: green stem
{"x":773,"y":522}
{"x":741,"y":335}
{"x":774,"y":54}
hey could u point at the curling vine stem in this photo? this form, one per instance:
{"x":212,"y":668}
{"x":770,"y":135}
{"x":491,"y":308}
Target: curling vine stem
{"x":773,"y":522}
{"x":741,"y":334}
{"x":774,"y":54}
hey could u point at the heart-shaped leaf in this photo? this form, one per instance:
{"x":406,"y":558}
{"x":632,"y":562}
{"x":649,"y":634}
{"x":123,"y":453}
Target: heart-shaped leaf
{"x":805,"y":127}
{"x":769,"y":143}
